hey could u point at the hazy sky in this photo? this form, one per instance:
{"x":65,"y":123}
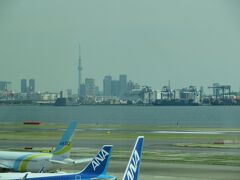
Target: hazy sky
{"x":190,"y":42}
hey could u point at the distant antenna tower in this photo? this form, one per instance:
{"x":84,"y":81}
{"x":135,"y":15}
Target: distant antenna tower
{"x":79,"y":71}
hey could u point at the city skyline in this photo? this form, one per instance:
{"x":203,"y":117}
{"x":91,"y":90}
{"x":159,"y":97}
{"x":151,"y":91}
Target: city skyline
{"x":121,"y":86}
{"x":187,"y":42}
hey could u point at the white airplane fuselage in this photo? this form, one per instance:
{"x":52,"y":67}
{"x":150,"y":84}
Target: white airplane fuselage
{"x":57,"y":176}
{"x":27,"y":161}
{"x":11,"y":176}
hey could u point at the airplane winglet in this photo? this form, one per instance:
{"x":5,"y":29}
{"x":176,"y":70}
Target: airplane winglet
{"x":41,"y":170}
{"x":133,"y":167}
{"x":25,"y":176}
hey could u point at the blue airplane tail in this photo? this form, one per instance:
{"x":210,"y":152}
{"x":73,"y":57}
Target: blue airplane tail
{"x":99,"y":165}
{"x":63,"y":149}
{"x":133,"y":168}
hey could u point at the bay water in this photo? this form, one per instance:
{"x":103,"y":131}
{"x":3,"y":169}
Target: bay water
{"x":192,"y":116}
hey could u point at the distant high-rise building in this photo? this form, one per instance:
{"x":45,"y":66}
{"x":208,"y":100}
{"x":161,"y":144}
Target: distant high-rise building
{"x":82,"y":91}
{"x":122,"y":84}
{"x":115,"y":88}
{"x":97,"y":92}
{"x":130,"y":86}
{"x":89,"y":87}
{"x":23,"y":86}
{"x":107,"y":86}
{"x":31,"y":87}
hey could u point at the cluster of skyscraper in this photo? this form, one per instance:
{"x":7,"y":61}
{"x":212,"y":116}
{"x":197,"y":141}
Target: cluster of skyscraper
{"x":27,"y":88}
{"x":115,"y":87}
{"x":111,"y":87}
{"x":118,"y":88}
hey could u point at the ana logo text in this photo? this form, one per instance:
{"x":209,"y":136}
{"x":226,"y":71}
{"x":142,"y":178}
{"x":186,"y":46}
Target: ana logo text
{"x":133,"y":166}
{"x":99,"y":158}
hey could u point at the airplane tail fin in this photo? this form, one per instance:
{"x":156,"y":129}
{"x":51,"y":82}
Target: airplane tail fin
{"x":63,"y":149}
{"x":99,"y":164}
{"x":133,"y":167}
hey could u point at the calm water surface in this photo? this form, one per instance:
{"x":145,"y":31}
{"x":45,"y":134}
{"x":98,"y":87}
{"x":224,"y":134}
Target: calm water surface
{"x":202,"y":116}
